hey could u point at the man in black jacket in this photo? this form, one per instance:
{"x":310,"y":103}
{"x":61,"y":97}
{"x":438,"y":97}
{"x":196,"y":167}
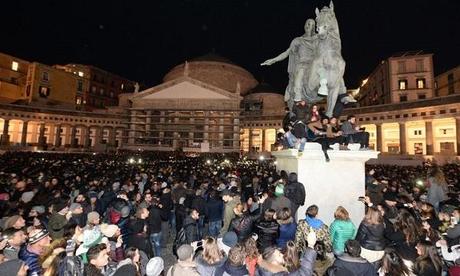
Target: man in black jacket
{"x":351,"y":263}
{"x":191,"y":226}
{"x":295,"y":192}
{"x":154,"y":221}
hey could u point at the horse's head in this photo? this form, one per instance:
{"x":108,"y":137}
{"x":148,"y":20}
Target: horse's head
{"x":326,"y":21}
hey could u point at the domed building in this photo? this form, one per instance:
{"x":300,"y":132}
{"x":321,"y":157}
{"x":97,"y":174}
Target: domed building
{"x":198,"y":108}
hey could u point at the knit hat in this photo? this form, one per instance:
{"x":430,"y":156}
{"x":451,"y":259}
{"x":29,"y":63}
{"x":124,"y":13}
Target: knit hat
{"x":154,"y":267}
{"x":11,"y":267}
{"x":27,"y":196}
{"x":92,"y":216}
{"x":74,"y":206}
{"x":184,"y":252}
{"x":279,"y":190}
{"x":36,"y":235}
{"x":39,"y":209}
{"x":108,"y":230}
{"x":92,"y":194}
{"x":9,"y":222}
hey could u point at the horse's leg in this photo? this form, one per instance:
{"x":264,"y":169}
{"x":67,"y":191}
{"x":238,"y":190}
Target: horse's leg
{"x":331,"y":100}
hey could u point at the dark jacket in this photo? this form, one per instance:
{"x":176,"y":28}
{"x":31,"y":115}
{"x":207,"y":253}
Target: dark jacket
{"x":243,"y":225}
{"x":371,"y":237}
{"x":287,"y":233}
{"x":229,"y":270}
{"x":199,"y":204}
{"x":181,"y":213}
{"x":405,"y":249}
{"x":154,"y":220}
{"x":351,"y":266}
{"x":31,"y":260}
{"x":214,"y":209}
{"x":268,"y":232}
{"x":138,"y":238}
{"x":191,"y":229}
{"x":167,"y":203}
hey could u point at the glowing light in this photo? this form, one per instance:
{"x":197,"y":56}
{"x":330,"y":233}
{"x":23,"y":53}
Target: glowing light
{"x":226,"y":161}
{"x":208,"y":161}
{"x":139,"y":161}
{"x":131,"y":160}
{"x":261,"y":158}
{"x":364,"y":82}
{"x":276,"y":162}
{"x":419,"y":182}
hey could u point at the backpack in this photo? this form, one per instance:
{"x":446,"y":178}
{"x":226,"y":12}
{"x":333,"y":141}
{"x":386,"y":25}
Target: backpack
{"x":181,"y":238}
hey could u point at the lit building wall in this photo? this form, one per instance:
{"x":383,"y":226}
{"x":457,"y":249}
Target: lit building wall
{"x":448,"y":83}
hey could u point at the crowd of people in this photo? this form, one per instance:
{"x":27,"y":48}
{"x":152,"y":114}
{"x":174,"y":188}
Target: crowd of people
{"x":100,"y":214}
{"x":306,"y":123}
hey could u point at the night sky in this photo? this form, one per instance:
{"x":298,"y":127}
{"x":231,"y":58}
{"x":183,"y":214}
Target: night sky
{"x":143,"y":40}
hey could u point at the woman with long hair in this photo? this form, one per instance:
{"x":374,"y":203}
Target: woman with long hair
{"x":210,"y":258}
{"x":438,"y":189}
{"x":133,"y":257}
{"x":428,"y":262}
{"x":341,"y":230}
{"x":252,"y":255}
{"x":405,"y":234}
{"x":370,"y":235}
{"x":287,"y":227}
{"x":393,"y":264}
{"x":291,"y":257}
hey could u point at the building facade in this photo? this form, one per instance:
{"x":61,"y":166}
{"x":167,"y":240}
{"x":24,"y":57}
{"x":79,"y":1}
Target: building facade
{"x":210,"y":104}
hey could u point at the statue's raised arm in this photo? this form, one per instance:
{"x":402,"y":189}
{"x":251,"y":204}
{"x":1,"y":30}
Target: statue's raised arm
{"x":279,"y":57}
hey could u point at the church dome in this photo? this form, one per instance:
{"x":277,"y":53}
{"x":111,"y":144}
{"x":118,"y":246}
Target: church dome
{"x":217,"y":71}
{"x":264,"y":96}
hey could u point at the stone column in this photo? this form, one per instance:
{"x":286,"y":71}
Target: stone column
{"x":457,"y":133}
{"x":262,"y":146}
{"x":221,"y":131}
{"x":41,"y":136}
{"x":161,"y":134}
{"x":236,"y":134}
{"x":112,"y":137}
{"x":379,"y":138}
{"x":191,"y":134}
{"x":57,"y":136}
{"x":73,"y":136}
{"x":176,"y":137}
{"x":250,"y":140}
{"x":5,"y":135}
{"x":25,"y":124}
{"x":429,"y":137}
{"x":206,"y":128}
{"x":87,"y":137}
{"x":402,"y":138}
{"x":132,"y":128}
{"x":98,"y":137}
{"x":148,"y":121}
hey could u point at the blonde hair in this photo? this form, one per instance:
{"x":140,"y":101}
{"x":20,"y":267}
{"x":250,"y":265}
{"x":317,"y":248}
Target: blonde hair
{"x":341,"y":213}
{"x":211,"y":252}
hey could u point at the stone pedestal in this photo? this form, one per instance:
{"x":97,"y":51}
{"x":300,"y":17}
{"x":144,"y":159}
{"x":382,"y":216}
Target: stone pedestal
{"x":328,"y":184}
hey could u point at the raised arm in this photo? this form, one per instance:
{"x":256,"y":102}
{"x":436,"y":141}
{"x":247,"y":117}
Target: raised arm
{"x":280,"y":57}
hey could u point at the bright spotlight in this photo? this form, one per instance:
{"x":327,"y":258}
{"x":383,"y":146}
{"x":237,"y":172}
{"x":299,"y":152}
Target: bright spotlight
{"x":261,"y":158}
{"x":139,"y":161}
{"x":208,"y":162}
{"x":276,"y":162}
{"x":131,"y":160}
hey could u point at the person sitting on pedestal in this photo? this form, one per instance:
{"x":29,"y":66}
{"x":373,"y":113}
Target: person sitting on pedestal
{"x":301,"y":112}
{"x":355,"y":133}
{"x":335,"y":135}
{"x":316,"y":132}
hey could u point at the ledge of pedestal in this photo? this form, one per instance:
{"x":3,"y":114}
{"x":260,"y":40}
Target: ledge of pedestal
{"x":314,"y":154}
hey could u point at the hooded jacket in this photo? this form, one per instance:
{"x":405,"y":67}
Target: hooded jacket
{"x":351,"y":266}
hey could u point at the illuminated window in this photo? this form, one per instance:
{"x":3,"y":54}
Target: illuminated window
{"x":14,"y":66}
{"x":45,"y":76}
{"x":78,"y":101}
{"x":402,"y":84}
{"x":420,"y":83}
{"x":122,"y":86}
{"x":81,"y":74}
